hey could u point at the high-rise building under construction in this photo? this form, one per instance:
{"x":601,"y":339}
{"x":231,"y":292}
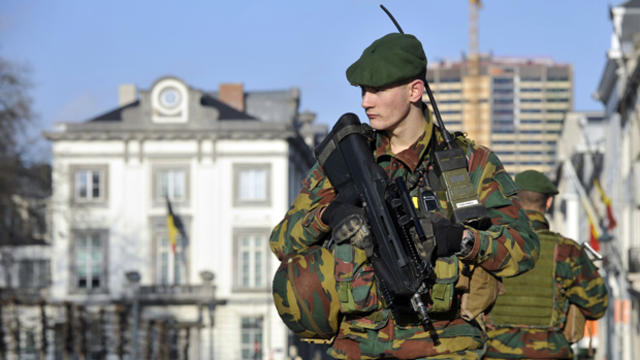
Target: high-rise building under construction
{"x":516,"y":106}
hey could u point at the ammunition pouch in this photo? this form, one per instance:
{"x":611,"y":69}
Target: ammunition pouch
{"x":355,"y":280}
{"x":482,"y":292}
{"x":574,"y":324}
{"x":442,"y":292}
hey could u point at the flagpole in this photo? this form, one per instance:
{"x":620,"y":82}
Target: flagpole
{"x":586,"y":201}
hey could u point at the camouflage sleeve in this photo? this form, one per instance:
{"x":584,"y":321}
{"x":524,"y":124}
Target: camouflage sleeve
{"x":582,"y":283}
{"x":509,"y":246}
{"x":301,"y":226}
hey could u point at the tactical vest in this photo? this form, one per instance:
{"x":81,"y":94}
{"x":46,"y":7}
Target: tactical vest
{"x":532,"y":299}
{"x":479,"y":289}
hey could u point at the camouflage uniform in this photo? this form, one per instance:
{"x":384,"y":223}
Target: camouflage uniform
{"x":367,"y":329}
{"x":579,"y":283}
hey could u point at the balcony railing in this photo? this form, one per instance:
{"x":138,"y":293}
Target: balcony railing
{"x":175,"y":294}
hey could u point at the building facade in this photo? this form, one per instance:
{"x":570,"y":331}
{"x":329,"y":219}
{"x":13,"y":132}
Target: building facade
{"x":514,"y":105}
{"x":580,"y":152}
{"x":228,"y":162}
{"x":618,"y":92}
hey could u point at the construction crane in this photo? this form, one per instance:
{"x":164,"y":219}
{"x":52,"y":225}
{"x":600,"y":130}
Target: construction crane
{"x":474,"y":6}
{"x":472,"y":121}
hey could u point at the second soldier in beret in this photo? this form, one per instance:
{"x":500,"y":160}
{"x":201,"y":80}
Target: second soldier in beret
{"x":391,"y":75}
{"x":543,"y":311}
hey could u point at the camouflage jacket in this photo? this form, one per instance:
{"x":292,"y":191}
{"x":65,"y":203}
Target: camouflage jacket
{"x":367,"y":330}
{"x":580,"y":284}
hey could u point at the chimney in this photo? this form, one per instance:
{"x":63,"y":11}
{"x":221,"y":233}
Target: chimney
{"x":127,"y":93}
{"x":232,"y":95}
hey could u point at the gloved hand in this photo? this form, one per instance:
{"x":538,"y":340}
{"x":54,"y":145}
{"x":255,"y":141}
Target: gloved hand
{"x":448,"y":235}
{"x":348,"y":223}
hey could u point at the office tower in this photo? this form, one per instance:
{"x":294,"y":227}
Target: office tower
{"x":516,"y":106}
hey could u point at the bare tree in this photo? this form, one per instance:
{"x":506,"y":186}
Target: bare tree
{"x":20,"y":182}
{"x":15,"y":106}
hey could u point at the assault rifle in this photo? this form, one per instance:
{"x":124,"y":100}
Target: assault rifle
{"x":403,"y":270}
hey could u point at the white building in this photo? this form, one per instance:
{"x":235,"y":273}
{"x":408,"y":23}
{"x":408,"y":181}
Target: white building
{"x":230,"y":162}
{"x":580,"y":155}
{"x":618,"y":92}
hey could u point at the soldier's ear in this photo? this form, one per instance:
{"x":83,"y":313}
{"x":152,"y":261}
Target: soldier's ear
{"x":416,"y":89}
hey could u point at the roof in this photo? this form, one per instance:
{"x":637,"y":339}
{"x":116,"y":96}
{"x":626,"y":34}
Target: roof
{"x":115,"y":114}
{"x":226,"y":111}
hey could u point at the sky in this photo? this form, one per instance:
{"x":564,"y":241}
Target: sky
{"x":79,"y":51}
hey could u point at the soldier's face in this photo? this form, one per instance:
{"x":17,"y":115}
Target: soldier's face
{"x":386,"y":107}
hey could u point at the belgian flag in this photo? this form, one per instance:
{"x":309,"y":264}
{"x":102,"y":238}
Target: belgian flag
{"x":174,"y":227}
{"x":611,"y":220}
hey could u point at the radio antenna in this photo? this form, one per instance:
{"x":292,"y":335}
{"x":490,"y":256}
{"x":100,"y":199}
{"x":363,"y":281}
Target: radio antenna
{"x":392,"y":18}
{"x":432,"y":100}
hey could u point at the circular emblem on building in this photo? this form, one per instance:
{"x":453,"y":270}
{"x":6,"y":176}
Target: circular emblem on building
{"x":170,"y":97}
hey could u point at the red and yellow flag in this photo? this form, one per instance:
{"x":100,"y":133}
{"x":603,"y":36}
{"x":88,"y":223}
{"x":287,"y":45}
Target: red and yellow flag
{"x":611,"y":220}
{"x":594,"y":235}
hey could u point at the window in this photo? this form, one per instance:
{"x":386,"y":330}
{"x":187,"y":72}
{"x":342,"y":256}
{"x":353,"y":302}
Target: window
{"x":89,"y":260}
{"x":171,"y":181}
{"x":169,"y":268}
{"x":251,"y":259}
{"x":502,"y":111}
{"x":502,"y":80}
{"x":252,"y":184}
{"x":503,"y":131}
{"x":251,"y":336}
{"x":558,"y":78}
{"x":34,"y":273}
{"x":89,"y":184}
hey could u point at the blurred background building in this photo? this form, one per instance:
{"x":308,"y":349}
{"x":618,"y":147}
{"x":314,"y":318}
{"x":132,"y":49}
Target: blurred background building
{"x":515,"y":106}
{"x":599,"y":177}
{"x":618,"y":92}
{"x":126,"y":283}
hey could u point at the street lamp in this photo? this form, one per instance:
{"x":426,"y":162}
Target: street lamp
{"x":133,"y":279}
{"x":207,"y":278}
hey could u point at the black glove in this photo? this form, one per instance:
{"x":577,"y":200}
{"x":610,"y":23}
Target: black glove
{"x":448,"y":235}
{"x":348,"y":223}
{"x":337,"y":211}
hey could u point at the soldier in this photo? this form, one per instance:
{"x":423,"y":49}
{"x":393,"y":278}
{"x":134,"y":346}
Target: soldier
{"x":543,"y":311}
{"x":332,"y":293}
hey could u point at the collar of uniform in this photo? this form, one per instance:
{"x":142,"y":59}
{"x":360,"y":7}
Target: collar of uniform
{"x":412,"y":155}
{"x":537,"y":219}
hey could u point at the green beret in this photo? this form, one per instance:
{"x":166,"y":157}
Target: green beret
{"x":389,"y":60}
{"x":532,"y":180}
